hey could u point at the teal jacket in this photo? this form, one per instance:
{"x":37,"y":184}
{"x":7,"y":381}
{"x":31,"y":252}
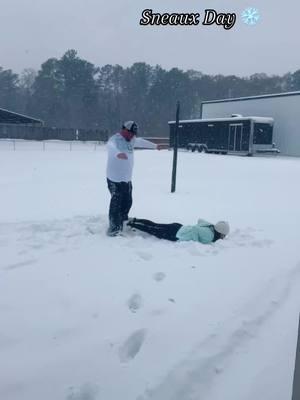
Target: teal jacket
{"x":203,"y":232}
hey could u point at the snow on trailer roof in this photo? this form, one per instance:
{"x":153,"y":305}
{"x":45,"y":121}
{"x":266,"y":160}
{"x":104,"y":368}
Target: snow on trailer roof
{"x":261,"y":96}
{"x":266,"y":120}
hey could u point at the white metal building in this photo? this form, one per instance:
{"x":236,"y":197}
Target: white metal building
{"x":284,"y":108}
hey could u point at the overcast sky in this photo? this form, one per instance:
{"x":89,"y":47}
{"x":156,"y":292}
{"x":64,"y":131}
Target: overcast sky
{"x":108,"y":32}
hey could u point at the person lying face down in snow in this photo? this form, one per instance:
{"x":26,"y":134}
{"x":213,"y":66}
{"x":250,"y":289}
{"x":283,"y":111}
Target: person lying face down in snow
{"x":203,"y":232}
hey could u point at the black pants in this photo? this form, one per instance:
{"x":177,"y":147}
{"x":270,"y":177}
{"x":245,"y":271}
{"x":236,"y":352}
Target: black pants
{"x":120,"y":203}
{"x":161,"y":231}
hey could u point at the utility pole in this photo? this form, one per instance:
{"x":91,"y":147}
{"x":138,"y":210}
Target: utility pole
{"x":296,"y":384}
{"x":175,"y":149}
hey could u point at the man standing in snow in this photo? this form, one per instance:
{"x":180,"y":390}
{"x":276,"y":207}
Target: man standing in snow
{"x":119,"y":173}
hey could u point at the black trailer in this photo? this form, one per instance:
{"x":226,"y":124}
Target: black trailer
{"x":235,"y":135}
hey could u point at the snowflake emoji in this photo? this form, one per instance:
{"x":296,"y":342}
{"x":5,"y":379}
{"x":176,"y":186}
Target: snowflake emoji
{"x":250,"y":16}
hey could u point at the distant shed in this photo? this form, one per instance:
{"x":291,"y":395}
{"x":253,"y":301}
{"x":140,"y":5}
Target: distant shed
{"x":9,"y":117}
{"x":284,"y":108}
{"x":18,"y":126}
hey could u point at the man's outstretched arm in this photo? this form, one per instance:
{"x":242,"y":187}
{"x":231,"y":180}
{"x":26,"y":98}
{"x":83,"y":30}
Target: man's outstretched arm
{"x":145,"y":144}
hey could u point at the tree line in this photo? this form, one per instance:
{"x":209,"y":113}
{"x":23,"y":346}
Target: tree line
{"x":71,"y":92}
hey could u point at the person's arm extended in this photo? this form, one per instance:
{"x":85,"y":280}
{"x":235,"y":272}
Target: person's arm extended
{"x":145,"y":144}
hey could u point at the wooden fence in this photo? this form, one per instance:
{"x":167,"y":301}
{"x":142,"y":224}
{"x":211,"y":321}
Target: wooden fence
{"x":31,"y":132}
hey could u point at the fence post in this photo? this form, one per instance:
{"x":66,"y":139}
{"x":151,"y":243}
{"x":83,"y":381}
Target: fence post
{"x":296,"y":382}
{"x":14,"y":142}
{"x":43,"y":145}
{"x":71,"y":145}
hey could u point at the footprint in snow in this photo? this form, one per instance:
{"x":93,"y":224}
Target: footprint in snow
{"x":135,"y":302}
{"x":262,"y":243}
{"x":20,"y":264}
{"x":132,"y":345}
{"x":144,"y":255}
{"x":159,"y":276}
{"x":87,"y":391}
{"x":157,"y":312}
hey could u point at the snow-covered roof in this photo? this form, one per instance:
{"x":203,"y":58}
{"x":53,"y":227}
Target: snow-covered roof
{"x":265,"y":120}
{"x":262,"y":96}
{"x":10,"y":117}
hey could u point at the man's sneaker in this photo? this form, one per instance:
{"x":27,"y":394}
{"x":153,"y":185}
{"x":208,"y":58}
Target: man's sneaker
{"x":127,"y":225}
{"x":129,"y":221}
{"x":113,"y":232}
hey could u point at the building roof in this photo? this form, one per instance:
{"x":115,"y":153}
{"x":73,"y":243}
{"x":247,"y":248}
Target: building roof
{"x":263,"y":96}
{"x":9,"y":117}
{"x":265,"y":120}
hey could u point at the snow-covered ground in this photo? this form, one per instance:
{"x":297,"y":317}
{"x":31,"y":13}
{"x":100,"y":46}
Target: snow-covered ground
{"x":87,"y":317}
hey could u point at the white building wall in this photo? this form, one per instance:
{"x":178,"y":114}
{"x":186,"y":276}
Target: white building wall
{"x":285,"y":110}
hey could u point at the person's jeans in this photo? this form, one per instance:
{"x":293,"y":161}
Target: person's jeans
{"x":120,"y":203}
{"x":161,"y":231}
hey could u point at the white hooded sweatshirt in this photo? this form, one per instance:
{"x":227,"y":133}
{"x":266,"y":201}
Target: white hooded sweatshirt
{"x":118,"y":169}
